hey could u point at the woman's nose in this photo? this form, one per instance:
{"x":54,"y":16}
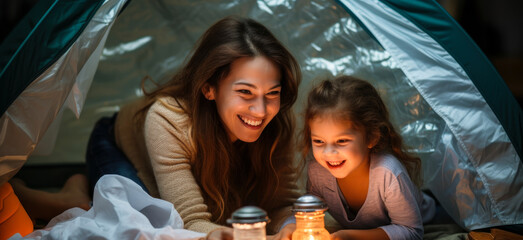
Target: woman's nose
{"x":258,"y":107}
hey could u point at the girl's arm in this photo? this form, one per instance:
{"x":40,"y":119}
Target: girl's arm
{"x":402,"y":204}
{"x":400,"y":199}
{"x":356,"y":234}
{"x":285,"y":233}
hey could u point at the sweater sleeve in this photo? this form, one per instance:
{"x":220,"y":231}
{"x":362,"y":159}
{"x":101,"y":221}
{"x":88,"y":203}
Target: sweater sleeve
{"x":402,"y":206}
{"x":167,"y":138}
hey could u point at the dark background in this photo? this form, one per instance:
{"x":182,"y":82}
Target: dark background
{"x":495,"y":26}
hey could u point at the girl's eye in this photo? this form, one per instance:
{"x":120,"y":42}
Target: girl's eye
{"x":317,"y":141}
{"x":343,"y":141}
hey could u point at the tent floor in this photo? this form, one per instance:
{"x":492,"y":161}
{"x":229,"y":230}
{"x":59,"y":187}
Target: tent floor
{"x":51,"y":177}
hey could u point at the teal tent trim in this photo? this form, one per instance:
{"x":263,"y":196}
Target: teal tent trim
{"x":46,"y":32}
{"x":429,"y":16}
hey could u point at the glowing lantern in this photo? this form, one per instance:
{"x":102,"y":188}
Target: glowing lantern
{"x":309,"y":211}
{"x":249,"y":223}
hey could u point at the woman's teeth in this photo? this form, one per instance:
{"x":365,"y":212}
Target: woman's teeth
{"x":253,"y":123}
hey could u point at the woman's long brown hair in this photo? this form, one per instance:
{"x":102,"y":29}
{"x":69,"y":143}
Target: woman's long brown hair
{"x":355,"y":100}
{"x":235,"y":174}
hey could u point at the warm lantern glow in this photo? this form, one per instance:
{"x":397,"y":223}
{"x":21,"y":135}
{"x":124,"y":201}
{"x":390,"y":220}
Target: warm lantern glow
{"x":251,"y":231}
{"x":249,"y":223}
{"x":310,"y":226}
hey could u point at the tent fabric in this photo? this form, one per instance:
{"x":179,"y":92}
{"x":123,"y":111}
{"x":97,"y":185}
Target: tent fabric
{"x":32,"y":48}
{"x":433,"y":20}
{"x":443,"y":103}
{"x":446,"y":68}
{"x":72,"y":34}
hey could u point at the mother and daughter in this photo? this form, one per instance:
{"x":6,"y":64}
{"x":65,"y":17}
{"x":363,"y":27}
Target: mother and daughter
{"x":219,"y":134}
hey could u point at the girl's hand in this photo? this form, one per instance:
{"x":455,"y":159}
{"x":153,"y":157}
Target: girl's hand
{"x":220,"y":234}
{"x":285,"y":233}
{"x":363,"y":234}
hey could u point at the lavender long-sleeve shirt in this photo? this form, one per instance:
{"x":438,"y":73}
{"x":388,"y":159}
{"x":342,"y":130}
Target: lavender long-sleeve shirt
{"x":393,"y":203}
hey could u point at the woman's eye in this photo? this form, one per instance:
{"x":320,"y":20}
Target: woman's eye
{"x":273,"y":93}
{"x":244,"y":91}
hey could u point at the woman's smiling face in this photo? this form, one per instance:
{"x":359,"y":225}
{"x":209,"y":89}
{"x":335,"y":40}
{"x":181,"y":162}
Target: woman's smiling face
{"x":248,"y":98}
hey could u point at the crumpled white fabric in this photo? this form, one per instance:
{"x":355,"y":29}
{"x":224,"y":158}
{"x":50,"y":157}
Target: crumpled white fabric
{"x":121,"y":210}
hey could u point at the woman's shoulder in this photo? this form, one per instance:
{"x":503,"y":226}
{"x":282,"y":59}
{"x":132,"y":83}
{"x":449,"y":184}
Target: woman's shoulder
{"x":168,"y":103}
{"x":167,"y":115}
{"x":168,"y":112}
{"x":168,"y":107}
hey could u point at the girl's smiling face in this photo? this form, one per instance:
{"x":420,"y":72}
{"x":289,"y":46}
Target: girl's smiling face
{"x":248,"y":98}
{"x":338,"y":146}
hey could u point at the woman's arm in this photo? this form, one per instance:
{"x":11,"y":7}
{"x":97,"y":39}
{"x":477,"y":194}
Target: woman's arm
{"x":167,"y":138}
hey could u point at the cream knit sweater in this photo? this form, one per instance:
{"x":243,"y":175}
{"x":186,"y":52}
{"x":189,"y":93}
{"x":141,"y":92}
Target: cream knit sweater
{"x":161,"y":153}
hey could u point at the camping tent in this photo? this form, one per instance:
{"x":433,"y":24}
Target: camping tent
{"x":445,"y":97}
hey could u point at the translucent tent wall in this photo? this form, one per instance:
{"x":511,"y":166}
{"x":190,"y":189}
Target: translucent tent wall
{"x":470,"y":153}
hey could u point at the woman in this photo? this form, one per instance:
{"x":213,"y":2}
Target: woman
{"x":217,"y":135}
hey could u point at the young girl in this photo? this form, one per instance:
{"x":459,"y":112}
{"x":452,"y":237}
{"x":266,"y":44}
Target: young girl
{"x":368,"y":181}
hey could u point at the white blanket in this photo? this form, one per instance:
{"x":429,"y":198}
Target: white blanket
{"x":121,"y":210}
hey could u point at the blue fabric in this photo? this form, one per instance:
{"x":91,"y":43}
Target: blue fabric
{"x":104,"y":157}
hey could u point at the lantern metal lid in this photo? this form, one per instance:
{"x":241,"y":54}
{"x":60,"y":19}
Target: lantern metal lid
{"x":309,"y":203}
{"x":248,"y":214}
